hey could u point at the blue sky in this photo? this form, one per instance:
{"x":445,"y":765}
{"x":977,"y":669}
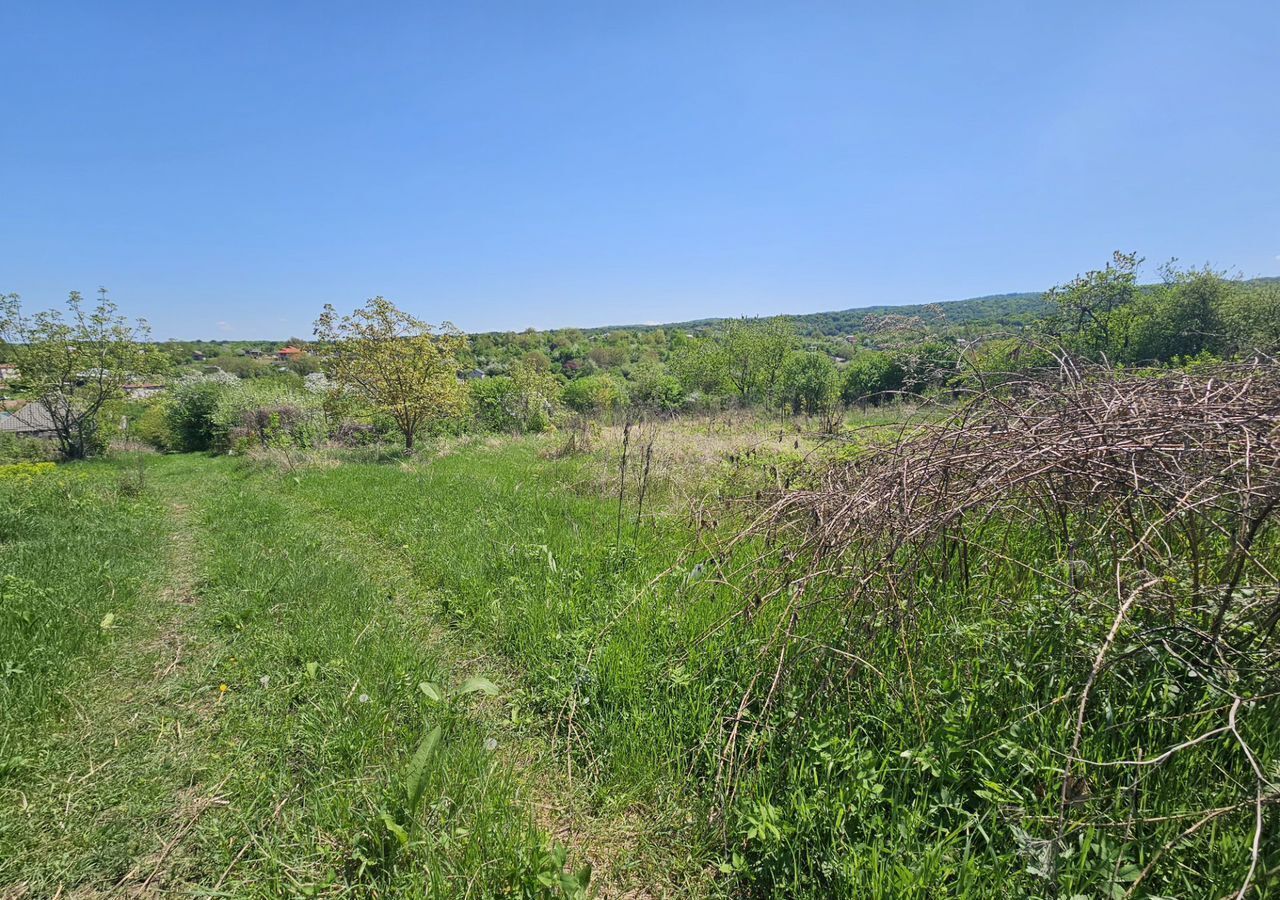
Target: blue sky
{"x":227,"y":168}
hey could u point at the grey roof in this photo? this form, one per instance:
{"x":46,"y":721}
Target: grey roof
{"x":34,"y":417}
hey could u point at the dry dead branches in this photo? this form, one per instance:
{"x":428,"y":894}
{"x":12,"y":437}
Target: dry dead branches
{"x":1147,"y":498}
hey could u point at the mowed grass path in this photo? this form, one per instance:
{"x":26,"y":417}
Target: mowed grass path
{"x":244,"y":723}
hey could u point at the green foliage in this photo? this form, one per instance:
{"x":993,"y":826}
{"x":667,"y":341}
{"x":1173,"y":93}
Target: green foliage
{"x":536,"y":396}
{"x":1250,"y":316}
{"x":527,"y":400}
{"x":870,"y":376}
{"x":191,"y":413}
{"x":743,"y":357}
{"x":395,"y":363}
{"x":754,"y":352}
{"x":810,"y":383}
{"x":74,"y":363}
{"x":268,"y":413}
{"x":16,"y":448}
{"x":701,"y":365}
{"x":1086,"y":303}
{"x":1009,"y":356}
{"x":652,"y":388}
{"x":594,"y":394}
{"x":495,"y":403}
{"x":1106,"y":313}
{"x":153,"y":427}
{"x":222,"y":413}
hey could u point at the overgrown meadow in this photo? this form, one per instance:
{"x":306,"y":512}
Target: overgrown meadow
{"x":535,"y":666}
{"x":971,"y":618}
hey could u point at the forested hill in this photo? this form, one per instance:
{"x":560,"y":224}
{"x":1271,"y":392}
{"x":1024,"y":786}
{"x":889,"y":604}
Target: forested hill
{"x":993,"y":310}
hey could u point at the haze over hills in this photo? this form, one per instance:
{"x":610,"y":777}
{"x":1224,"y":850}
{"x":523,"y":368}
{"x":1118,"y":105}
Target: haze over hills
{"x":990,"y":310}
{"x":994,"y":309}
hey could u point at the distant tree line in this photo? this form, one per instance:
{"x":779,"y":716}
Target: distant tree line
{"x":380,"y":372}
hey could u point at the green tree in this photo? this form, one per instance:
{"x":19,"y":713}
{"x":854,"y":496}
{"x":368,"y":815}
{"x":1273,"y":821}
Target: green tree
{"x":655,"y":388}
{"x":495,"y":403}
{"x":74,"y":364}
{"x":594,"y":394}
{"x":1250,"y":316}
{"x":1085,"y":304}
{"x":810,"y":383}
{"x":870,"y":376}
{"x":1179,"y":318}
{"x":537,"y":396}
{"x":394,"y":362}
{"x":191,"y":413}
{"x":755,"y":351}
{"x":701,"y":365}
{"x":537,"y":361}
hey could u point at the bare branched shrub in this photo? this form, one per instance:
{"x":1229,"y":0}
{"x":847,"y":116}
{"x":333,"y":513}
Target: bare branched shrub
{"x":1145,"y":502}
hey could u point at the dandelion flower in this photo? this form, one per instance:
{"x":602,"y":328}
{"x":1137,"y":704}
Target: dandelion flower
{"x":264,"y":680}
{"x":491,"y":744}
{"x":364,"y":698}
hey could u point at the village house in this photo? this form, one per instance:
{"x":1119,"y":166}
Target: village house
{"x":142,"y":391}
{"x":287,"y":354}
{"x":32,"y":420}
{"x":8,"y":372}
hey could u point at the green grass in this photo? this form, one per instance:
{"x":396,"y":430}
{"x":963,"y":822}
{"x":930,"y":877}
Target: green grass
{"x":285,"y":740}
{"x":77,"y":555}
{"x":932,"y":773}
{"x":322,"y":598}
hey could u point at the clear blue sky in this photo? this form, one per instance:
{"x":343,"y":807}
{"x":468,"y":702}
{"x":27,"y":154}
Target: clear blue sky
{"x":227,"y":168}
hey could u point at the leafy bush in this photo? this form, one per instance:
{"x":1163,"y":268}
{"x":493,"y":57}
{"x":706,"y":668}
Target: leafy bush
{"x":218,"y":412}
{"x":594,"y":394}
{"x":17,"y":448}
{"x":268,"y":413}
{"x":279,"y":426}
{"x":153,"y":426}
{"x":191,"y":414}
{"x":655,"y":389}
{"x":810,"y":383}
{"x":527,"y":400}
{"x":870,"y":375}
{"x":495,"y":404}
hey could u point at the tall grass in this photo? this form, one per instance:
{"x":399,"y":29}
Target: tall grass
{"x":324,"y":719}
{"x":894,"y":763}
{"x":909,"y":749}
{"x":76,"y":555}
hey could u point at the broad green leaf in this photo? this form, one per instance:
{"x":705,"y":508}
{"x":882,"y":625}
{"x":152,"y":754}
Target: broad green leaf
{"x":107,"y":620}
{"x":432,"y":690}
{"x":415,"y":780}
{"x":477,"y":684}
{"x":401,"y":835}
{"x":312,"y":668}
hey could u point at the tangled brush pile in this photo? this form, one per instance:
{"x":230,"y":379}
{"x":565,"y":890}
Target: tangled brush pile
{"x":1144,"y":502}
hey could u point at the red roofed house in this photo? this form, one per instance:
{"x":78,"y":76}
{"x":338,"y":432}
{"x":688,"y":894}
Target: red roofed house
{"x":285,"y":354}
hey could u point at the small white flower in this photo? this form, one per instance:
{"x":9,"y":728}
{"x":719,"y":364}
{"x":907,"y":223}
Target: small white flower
{"x":364,"y":698}
{"x":491,"y":744}
{"x":264,"y":680}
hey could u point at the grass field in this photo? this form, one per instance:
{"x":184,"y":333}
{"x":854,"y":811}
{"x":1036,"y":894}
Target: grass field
{"x":480,"y":673}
